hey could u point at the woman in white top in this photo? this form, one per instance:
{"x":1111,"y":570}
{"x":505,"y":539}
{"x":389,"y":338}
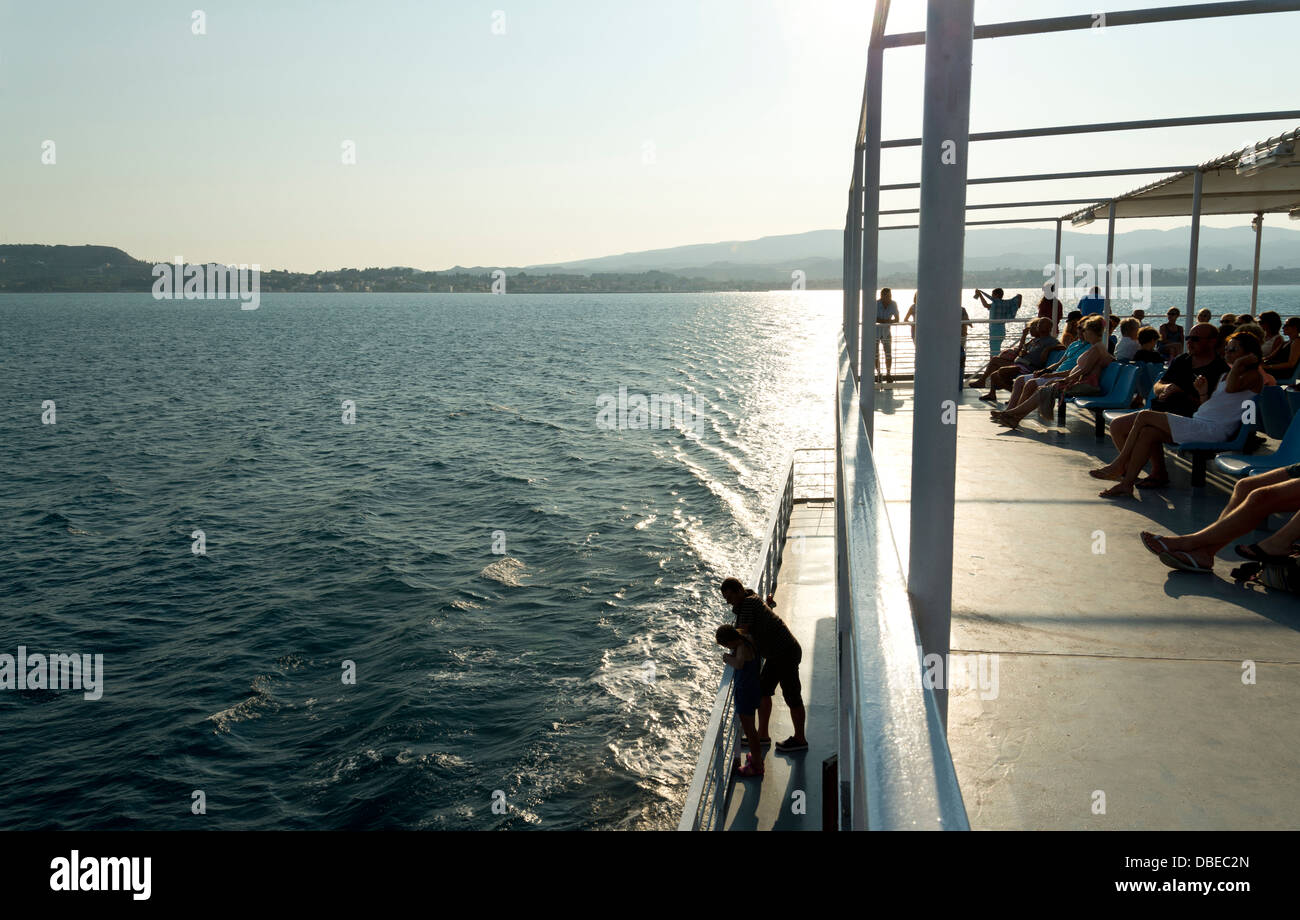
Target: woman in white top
{"x":1217,"y":419}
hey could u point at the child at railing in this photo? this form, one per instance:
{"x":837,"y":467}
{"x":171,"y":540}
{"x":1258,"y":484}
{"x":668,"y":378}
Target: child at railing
{"x":743,"y":657}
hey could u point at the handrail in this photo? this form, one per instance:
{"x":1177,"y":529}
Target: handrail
{"x":710,"y":789}
{"x":895,"y":768}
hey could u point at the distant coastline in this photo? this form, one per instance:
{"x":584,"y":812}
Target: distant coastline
{"x":33,"y":268}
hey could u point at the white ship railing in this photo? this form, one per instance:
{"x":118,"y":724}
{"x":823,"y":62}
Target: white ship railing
{"x":895,"y":770}
{"x":808,"y":477}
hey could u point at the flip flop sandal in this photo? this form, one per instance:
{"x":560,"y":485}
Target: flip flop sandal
{"x":749,"y":770}
{"x":1184,"y":564}
{"x":1154,"y":545}
{"x":1252,"y":552}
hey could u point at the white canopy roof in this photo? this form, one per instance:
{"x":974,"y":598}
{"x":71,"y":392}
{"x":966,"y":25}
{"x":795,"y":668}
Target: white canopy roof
{"x":1273,"y":187}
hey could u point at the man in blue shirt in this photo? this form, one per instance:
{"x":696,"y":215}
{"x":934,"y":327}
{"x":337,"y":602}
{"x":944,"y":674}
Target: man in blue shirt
{"x":999,"y":309}
{"x":1093,"y":303}
{"x":886,"y":313}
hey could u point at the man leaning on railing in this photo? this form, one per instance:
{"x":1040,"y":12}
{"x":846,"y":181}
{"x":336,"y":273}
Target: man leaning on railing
{"x":781,"y":654}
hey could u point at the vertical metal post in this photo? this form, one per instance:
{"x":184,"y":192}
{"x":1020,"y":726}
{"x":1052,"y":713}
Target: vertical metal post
{"x":843,"y":633}
{"x":856,"y":315}
{"x":1190,"y":318}
{"x":869,"y":158}
{"x":945,"y":135}
{"x":1110,"y":268}
{"x":1056,"y":283}
{"x":1258,"y":225}
{"x":850,"y":331}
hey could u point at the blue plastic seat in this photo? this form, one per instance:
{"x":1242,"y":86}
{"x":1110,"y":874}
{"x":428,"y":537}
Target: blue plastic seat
{"x":1287,"y":453}
{"x":1275,"y":412}
{"x":1117,"y":393}
{"x":1202,"y":451}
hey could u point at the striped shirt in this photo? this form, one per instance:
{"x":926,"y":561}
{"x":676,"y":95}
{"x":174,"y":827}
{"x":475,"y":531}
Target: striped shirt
{"x":772,"y":635}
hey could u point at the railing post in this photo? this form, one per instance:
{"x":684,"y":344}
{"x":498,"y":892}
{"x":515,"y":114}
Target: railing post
{"x":1258,"y":225}
{"x":1189,"y":318}
{"x":1110,"y":269}
{"x":1056,"y":283}
{"x":949,"y":36}
{"x":868,"y":160}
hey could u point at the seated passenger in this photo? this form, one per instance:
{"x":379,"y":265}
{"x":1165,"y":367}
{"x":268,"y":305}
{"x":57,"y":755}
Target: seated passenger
{"x":1071,"y":333}
{"x":1128,"y":339}
{"x":1253,"y":500}
{"x":1274,"y":340}
{"x":1171,"y":335}
{"x":1283,"y":365}
{"x":1076,"y":375}
{"x":1000,"y":360}
{"x":1148,"y":345}
{"x":1032,"y":357}
{"x":1175,"y":392}
{"x":1217,"y":419}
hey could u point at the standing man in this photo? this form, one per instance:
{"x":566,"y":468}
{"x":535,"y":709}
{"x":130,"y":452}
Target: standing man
{"x":999,"y":309}
{"x":1093,"y":303}
{"x":1050,"y":307}
{"x":886,"y":313}
{"x":781,"y":654}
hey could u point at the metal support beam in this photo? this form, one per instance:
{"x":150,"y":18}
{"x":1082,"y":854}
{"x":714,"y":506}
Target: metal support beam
{"x":870,"y":159}
{"x":1044,"y":177}
{"x":945,"y":130}
{"x":1141,"y":124}
{"x":1045,"y":219}
{"x":847,"y":318}
{"x":1258,"y":225}
{"x":854,"y":288}
{"x":1194,"y":252}
{"x":993,"y":206}
{"x":1118,"y":18}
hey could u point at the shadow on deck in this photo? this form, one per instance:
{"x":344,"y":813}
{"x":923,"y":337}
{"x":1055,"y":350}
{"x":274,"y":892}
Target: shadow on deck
{"x":1119,"y":682}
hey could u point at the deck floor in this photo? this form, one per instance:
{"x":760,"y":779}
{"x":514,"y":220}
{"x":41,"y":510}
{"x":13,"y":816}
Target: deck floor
{"x":805,"y":599}
{"x":1116,"y":675}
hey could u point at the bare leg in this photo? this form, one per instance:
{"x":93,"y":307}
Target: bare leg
{"x":1120,"y":428}
{"x":1280,"y":543}
{"x":1017,"y":388}
{"x":1253,"y":500}
{"x":1147,"y":435}
{"x":799,"y":715}
{"x":1028,"y":401}
{"x":1203,"y":545}
{"x":1144,"y":419}
{"x":751,"y":735}
{"x":764,"y":716}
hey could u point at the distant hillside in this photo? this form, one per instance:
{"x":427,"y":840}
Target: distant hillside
{"x":71,"y":268}
{"x":817,"y":253}
{"x":994,"y":257}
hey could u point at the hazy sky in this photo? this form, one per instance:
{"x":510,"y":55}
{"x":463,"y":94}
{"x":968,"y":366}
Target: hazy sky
{"x":587,"y":128}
